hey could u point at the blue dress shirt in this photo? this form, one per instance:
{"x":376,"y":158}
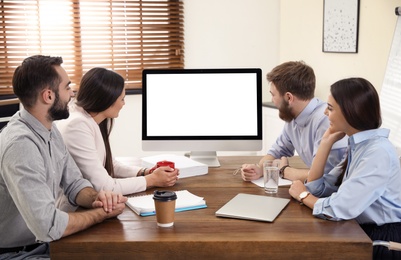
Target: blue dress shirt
{"x":370,"y":191}
{"x":303,"y":135}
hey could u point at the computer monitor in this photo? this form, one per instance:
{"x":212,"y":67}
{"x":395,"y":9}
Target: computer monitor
{"x":202,"y":111}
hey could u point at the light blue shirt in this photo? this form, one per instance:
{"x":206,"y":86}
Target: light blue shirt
{"x":370,"y":191}
{"x":303,"y":135}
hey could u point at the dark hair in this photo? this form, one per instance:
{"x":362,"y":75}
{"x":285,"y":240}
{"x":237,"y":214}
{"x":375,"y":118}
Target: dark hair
{"x":33,"y":75}
{"x":359,"y":104}
{"x":98,"y":90}
{"x":295,"y":77}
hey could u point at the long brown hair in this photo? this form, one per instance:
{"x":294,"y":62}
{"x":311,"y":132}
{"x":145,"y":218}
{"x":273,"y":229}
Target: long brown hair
{"x":360,"y":105}
{"x":99,"y":89}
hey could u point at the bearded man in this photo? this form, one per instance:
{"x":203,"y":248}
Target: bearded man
{"x":36,"y":168}
{"x":292,"y":87}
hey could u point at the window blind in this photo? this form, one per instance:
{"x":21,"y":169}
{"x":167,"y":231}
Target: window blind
{"x":391,"y":89}
{"x":125,"y":36}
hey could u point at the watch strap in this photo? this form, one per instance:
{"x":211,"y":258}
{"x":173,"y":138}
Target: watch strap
{"x":142,"y":172}
{"x":301,"y":199}
{"x":281,"y":172}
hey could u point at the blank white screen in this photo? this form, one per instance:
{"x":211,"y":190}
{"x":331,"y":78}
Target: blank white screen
{"x":213,"y":104}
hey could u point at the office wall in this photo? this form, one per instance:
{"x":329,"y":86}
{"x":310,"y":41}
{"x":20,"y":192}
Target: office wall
{"x":232,"y":33}
{"x":218,"y":33}
{"x":264,"y":33}
{"x":301,"y":26}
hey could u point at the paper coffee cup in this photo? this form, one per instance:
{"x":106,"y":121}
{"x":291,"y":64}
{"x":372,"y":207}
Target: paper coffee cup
{"x":165,"y":207}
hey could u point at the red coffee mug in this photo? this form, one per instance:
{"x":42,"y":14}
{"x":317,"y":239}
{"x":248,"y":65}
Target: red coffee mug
{"x":162,"y":163}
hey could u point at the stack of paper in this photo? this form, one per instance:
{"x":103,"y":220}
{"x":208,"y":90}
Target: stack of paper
{"x":281,"y":182}
{"x":144,"y":205}
{"x":187,"y":166}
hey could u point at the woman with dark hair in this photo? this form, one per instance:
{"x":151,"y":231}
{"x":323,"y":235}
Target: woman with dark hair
{"x":86,"y":134}
{"x":366,"y":185}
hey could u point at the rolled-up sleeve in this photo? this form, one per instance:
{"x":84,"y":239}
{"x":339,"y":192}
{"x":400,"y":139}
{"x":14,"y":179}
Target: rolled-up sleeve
{"x":325,"y":185}
{"x":72,"y":181}
{"x":323,"y":210}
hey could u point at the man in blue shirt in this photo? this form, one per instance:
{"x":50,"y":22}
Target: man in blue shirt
{"x":292,"y":86}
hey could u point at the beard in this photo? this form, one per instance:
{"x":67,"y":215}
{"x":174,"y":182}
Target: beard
{"x":285,"y":112}
{"x":58,"y":110}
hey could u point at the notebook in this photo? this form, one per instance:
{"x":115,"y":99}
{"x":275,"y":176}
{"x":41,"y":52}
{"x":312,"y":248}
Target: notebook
{"x":253,"y":207}
{"x":143,"y":205}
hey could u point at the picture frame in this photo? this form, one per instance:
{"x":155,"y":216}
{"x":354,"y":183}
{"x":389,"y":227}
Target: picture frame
{"x":340,"y":26}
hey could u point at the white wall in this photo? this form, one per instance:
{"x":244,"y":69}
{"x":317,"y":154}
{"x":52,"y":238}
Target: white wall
{"x":218,"y":33}
{"x":232,"y":33}
{"x":301,"y":39}
{"x":264,"y":33}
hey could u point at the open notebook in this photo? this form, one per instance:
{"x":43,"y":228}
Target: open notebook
{"x":143,"y":205}
{"x":253,"y":207}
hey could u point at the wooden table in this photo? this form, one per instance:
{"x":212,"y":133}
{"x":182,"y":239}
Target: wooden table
{"x":199,"y":234}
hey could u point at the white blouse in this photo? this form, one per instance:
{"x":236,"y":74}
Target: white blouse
{"x":84,"y":141}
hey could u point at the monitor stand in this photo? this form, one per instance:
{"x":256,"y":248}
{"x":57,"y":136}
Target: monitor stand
{"x":208,"y":158}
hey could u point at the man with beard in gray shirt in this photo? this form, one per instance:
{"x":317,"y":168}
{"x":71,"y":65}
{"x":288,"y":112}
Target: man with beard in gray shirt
{"x":36,"y":168}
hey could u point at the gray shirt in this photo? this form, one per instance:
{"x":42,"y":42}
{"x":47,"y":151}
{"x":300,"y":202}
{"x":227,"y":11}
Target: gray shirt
{"x":35,"y":168}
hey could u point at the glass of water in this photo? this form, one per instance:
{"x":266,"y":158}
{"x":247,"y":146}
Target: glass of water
{"x":270,"y":176}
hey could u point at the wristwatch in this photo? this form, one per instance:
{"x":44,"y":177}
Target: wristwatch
{"x":281,"y":172}
{"x":303,"y":195}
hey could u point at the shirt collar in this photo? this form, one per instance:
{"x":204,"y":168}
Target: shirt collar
{"x":303,"y":118}
{"x":35,"y":125}
{"x":368,"y":134}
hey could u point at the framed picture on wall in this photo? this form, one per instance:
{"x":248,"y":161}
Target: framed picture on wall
{"x":340,"y":26}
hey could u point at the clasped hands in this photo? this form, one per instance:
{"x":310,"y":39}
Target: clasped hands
{"x":110,"y":201}
{"x":251,"y":172}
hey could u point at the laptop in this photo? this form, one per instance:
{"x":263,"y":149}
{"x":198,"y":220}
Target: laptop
{"x":253,"y":207}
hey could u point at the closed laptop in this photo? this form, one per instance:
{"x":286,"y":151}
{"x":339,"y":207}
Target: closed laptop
{"x":253,"y":207}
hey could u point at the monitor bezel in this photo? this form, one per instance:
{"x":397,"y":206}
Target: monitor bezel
{"x":256,"y":71}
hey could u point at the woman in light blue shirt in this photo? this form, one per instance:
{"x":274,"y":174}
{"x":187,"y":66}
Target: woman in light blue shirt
{"x":366,"y":185}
